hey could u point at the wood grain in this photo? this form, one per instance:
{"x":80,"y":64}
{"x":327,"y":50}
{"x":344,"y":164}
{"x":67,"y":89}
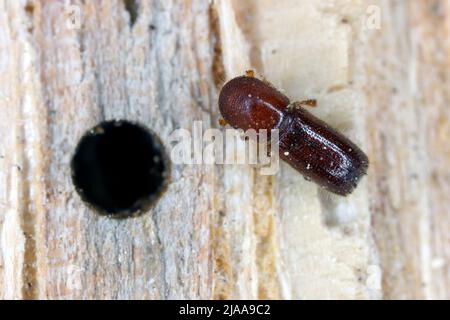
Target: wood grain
{"x":408,"y":70}
{"x":226,"y":231}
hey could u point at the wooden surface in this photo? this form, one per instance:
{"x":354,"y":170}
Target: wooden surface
{"x":225,"y":231}
{"x":408,"y":71}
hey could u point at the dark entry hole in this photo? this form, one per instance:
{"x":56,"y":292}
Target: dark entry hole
{"x":120,"y":168}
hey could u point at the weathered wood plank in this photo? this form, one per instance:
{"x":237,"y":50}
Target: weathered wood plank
{"x":226,"y":231}
{"x":155,"y":72}
{"x":407,"y":124}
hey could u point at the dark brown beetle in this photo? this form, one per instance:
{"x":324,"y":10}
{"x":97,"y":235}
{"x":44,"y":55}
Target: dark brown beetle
{"x":317,"y":151}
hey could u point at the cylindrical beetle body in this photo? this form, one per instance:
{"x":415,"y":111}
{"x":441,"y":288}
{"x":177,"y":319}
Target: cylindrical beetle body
{"x":308,"y":144}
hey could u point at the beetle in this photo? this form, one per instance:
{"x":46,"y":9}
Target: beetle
{"x":311,"y":146}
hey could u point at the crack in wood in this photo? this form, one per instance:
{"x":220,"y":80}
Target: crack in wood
{"x":27,"y":219}
{"x":132,"y":6}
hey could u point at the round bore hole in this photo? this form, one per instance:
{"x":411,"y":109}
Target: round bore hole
{"x":120,"y":168}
